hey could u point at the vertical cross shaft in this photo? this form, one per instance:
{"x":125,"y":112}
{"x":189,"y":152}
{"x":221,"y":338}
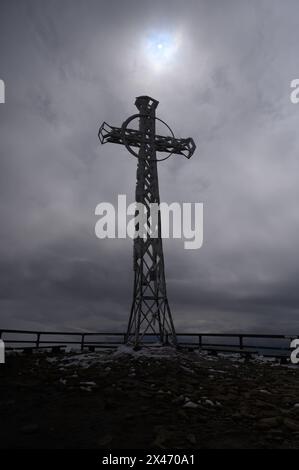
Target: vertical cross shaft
{"x":150,"y":312}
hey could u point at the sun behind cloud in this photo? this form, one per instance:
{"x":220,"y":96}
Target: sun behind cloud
{"x":161,"y":49}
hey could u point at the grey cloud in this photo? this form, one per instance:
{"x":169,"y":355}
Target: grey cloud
{"x":70,"y":65}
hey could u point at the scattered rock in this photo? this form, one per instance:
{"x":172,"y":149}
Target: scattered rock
{"x":30,"y":428}
{"x":105,"y":440}
{"x":209,"y":402}
{"x":190,"y":404}
{"x":162,"y":436}
{"x":269,"y":423}
{"x":191,"y":438}
{"x":291,"y":424}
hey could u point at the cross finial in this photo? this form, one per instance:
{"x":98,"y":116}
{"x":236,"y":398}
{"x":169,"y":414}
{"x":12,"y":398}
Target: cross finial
{"x":146,"y":101}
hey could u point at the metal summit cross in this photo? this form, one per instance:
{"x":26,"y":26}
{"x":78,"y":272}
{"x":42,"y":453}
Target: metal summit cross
{"x":150,"y":312}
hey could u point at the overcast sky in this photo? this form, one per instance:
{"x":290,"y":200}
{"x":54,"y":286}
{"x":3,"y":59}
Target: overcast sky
{"x":68,"y":65}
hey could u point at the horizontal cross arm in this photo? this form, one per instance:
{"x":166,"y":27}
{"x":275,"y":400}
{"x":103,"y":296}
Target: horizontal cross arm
{"x":135,"y":138}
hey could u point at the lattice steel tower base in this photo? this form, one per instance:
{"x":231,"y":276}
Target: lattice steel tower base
{"x":150,"y":312}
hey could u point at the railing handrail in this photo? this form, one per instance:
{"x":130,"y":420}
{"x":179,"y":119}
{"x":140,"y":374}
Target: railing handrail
{"x":66,"y":333}
{"x":103,"y":333}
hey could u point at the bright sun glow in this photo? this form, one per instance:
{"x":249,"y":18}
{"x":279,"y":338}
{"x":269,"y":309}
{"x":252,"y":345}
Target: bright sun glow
{"x":161,"y":49}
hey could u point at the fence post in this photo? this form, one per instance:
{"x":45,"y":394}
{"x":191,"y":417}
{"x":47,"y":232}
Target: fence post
{"x":82,"y":342}
{"x":199,"y":341}
{"x":37,"y":339}
{"x":241,"y":342}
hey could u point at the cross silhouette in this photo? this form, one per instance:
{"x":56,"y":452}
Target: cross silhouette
{"x":150,"y":312}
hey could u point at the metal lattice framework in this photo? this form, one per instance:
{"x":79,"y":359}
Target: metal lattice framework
{"x":150,"y":312}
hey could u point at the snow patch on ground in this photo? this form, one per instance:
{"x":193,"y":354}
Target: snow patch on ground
{"x":147,"y":351}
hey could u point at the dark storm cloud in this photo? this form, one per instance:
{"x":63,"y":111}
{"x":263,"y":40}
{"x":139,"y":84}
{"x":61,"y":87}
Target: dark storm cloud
{"x":70,"y":65}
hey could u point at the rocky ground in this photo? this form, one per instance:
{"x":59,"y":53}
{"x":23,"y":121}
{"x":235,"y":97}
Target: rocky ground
{"x":156,"y":398}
